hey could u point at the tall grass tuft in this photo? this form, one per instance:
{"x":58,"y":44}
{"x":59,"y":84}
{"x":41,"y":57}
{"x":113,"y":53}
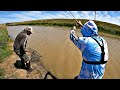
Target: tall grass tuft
{"x":4,"y":43}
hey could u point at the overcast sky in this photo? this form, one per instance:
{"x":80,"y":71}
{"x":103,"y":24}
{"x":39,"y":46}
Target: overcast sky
{"x":17,"y":16}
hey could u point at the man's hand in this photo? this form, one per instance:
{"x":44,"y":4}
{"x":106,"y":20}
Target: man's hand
{"x":79,"y":23}
{"x":73,"y":33}
{"x":74,"y":27}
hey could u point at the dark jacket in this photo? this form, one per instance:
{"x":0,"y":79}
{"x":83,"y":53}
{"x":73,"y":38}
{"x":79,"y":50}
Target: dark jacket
{"x":20,"y":42}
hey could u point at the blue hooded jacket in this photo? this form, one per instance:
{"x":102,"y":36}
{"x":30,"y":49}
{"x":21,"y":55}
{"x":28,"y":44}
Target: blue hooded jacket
{"x":91,"y":51}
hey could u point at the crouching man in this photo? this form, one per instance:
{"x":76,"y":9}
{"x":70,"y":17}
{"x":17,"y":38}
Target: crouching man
{"x":20,"y":46}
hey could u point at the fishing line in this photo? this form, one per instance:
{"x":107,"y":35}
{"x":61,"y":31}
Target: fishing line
{"x":72,"y":14}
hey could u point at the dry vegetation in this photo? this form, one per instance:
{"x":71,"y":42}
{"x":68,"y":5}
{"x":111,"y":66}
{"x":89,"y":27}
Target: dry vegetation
{"x":102,"y":26}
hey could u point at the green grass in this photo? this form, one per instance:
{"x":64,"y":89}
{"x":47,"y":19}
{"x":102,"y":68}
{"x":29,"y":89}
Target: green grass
{"x":2,"y":73}
{"x":4,"y":43}
{"x":5,"y":50}
{"x":102,"y":26}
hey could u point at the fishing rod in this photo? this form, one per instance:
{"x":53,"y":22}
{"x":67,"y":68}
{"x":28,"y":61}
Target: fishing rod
{"x":73,"y":17}
{"x":72,"y":14}
{"x":75,"y":20}
{"x":95,"y":16}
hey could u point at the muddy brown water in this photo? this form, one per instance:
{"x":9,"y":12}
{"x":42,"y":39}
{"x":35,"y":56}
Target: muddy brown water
{"x":60,"y":56}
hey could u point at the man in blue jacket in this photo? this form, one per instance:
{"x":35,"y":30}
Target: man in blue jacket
{"x":94,"y":51}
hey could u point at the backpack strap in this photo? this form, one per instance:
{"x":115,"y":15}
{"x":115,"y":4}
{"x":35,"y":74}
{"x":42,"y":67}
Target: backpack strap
{"x":102,"y":54}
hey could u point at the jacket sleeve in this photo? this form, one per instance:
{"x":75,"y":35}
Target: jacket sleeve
{"x":23,"y":43}
{"x":75,"y":40}
{"x":80,"y":42}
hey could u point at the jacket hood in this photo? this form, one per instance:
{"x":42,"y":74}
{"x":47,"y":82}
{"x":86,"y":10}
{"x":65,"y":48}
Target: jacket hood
{"x":89,"y":29}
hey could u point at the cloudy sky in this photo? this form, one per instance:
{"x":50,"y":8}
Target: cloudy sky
{"x":17,"y":16}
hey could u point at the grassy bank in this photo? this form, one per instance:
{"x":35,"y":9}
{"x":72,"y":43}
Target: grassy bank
{"x":102,"y":26}
{"x":4,"y":43}
{"x":4,"y":48}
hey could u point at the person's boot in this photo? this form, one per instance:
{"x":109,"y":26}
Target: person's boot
{"x":28,"y":67}
{"x":23,"y":64}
